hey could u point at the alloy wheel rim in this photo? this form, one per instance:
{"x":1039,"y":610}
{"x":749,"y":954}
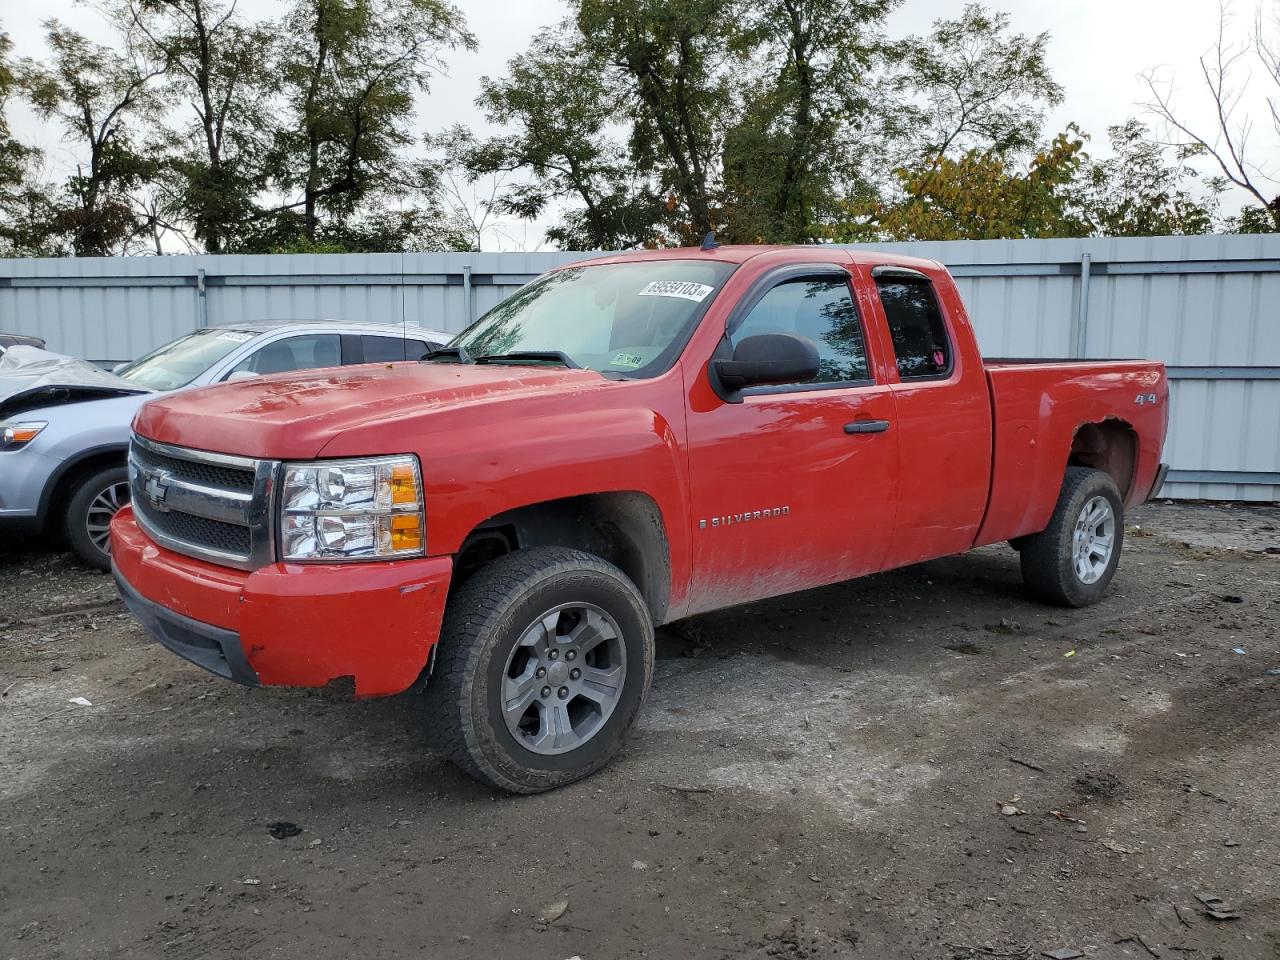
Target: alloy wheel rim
{"x":564,"y":678}
{"x":101,"y":509}
{"x":1093,"y":540}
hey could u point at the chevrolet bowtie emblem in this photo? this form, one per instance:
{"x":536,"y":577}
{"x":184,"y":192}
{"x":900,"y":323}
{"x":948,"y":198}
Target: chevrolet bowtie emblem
{"x":156,"y":488}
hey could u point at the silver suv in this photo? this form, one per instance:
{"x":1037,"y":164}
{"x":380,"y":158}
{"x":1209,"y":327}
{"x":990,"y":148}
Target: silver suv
{"x":64,"y":425}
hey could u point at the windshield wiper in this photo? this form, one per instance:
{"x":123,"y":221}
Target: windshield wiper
{"x":531,"y":356}
{"x":456,"y":354}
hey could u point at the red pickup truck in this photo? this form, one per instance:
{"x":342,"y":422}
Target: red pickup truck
{"x":622,"y":443}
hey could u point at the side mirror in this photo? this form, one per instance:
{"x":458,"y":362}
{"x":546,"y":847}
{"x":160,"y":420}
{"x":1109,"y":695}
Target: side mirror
{"x":768,"y":358}
{"x":242,"y":375}
{"x":116,"y":368}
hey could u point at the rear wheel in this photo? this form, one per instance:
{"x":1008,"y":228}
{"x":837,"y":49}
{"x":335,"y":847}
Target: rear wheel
{"x":1072,"y":562}
{"x":545,"y":656}
{"x":95,"y":499}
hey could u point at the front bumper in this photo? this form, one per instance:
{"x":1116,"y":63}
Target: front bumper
{"x":286,"y":624}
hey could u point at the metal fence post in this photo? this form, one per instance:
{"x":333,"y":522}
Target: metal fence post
{"x":202,"y":300}
{"x":466,"y":297}
{"x":1081,"y":332}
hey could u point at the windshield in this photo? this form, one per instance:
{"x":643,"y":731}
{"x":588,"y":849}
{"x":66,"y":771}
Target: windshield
{"x":631,"y":319}
{"x":178,"y":363}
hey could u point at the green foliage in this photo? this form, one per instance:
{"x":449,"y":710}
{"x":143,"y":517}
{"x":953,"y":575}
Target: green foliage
{"x":799,"y":144}
{"x":631,"y":122}
{"x":105,"y":101}
{"x":214,"y":81}
{"x":349,"y":70}
{"x":1137,"y":193}
{"x":982,"y":195}
{"x":21,"y":204}
{"x":558,"y":104}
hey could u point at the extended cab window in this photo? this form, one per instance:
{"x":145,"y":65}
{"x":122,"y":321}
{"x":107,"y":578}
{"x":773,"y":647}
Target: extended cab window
{"x":821,"y":310}
{"x":920,"y":341}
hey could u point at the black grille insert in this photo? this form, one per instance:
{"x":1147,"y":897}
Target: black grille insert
{"x":197,"y":531}
{"x":205,"y":474}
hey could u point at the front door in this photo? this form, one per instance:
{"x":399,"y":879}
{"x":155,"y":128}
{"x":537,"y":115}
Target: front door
{"x":794,"y":486}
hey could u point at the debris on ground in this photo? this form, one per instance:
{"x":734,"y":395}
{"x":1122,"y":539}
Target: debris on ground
{"x":80,"y":702}
{"x":553,"y":911}
{"x":1215,"y":909}
{"x":283,"y":829}
{"x":1118,"y":847}
{"x":1005,"y":626}
{"x":1063,"y":953}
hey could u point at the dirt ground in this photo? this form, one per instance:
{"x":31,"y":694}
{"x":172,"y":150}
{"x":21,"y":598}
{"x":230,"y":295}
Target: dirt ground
{"x":921,"y":764}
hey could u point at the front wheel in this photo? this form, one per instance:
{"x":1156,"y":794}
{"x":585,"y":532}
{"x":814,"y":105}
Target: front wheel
{"x":1072,"y":562}
{"x":95,"y":499}
{"x":545,"y":656}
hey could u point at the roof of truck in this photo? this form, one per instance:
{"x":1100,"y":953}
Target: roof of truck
{"x":741,"y":253}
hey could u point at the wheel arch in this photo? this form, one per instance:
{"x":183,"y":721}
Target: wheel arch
{"x":58,"y":490}
{"x":624,"y":527}
{"x":1109,"y":445}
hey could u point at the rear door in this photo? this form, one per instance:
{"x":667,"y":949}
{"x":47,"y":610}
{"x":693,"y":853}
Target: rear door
{"x":944,"y":416}
{"x":795,"y":485}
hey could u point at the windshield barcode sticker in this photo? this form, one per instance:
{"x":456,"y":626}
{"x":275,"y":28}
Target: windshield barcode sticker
{"x":685,"y":290}
{"x":235,"y":336}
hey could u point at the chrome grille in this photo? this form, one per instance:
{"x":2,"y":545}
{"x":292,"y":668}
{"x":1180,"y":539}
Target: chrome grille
{"x":212,"y":506}
{"x":205,"y":474}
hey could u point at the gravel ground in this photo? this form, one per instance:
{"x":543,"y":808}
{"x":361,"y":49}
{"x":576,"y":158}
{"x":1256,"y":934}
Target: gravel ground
{"x":920,"y":764}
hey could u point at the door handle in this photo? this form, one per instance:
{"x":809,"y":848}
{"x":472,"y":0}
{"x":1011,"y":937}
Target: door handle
{"x":867,"y":426}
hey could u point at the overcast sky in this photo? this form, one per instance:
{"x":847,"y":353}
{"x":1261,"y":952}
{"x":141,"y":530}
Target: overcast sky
{"x":1097,"y":51}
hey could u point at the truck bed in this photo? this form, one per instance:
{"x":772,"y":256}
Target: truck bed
{"x":1038,"y":407}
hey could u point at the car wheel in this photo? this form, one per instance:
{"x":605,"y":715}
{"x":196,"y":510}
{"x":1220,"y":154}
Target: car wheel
{"x":95,"y":499}
{"x":1072,"y":562}
{"x":544,"y":658}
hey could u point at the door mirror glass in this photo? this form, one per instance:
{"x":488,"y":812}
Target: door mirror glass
{"x":767,"y":359}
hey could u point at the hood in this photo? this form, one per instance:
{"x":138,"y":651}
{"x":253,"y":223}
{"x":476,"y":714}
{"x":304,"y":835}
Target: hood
{"x":31,"y":378}
{"x":292,"y":416}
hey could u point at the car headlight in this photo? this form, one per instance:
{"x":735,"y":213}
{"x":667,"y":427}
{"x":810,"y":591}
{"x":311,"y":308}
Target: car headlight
{"x":365,"y":509}
{"x":15,"y":436}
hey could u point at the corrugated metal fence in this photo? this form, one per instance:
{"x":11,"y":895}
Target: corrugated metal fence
{"x":1209,"y":307}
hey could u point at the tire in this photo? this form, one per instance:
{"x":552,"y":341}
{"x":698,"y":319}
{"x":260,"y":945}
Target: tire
{"x":1062,"y":568}
{"x":94,"y":501}
{"x":482,"y":665}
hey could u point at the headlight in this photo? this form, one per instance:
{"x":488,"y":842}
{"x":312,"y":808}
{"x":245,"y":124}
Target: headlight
{"x":352,"y":510}
{"x":14,"y":436}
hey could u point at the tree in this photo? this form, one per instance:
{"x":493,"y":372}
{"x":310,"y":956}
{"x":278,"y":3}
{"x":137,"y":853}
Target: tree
{"x":797,"y":147}
{"x":966,"y":109}
{"x":104,"y":101}
{"x":349,"y":70}
{"x":1227,"y":141}
{"x":983,"y":195}
{"x":21,"y":211}
{"x":973,"y":86}
{"x":1136,"y":193}
{"x":558,"y":101}
{"x":669,"y":60}
{"x":217,"y":75}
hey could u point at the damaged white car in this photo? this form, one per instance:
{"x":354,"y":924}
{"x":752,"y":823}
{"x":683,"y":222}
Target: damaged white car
{"x":64,"y":423}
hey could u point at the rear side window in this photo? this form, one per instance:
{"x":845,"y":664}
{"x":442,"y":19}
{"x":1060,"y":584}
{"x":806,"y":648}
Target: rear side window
{"x":920,"y":341}
{"x":384,"y":349}
{"x":821,"y":310}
